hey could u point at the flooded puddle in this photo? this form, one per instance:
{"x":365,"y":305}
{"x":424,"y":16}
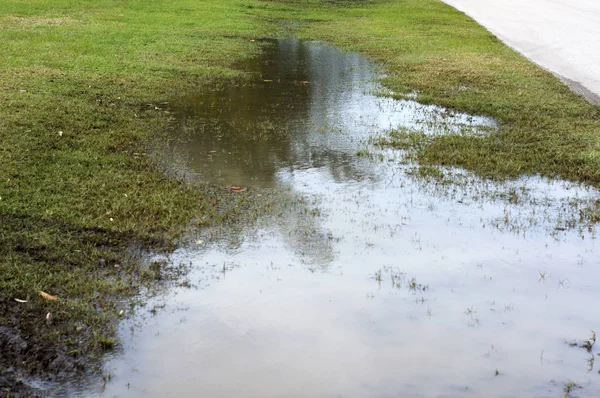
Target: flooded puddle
{"x":379,"y":284}
{"x":309,"y":108}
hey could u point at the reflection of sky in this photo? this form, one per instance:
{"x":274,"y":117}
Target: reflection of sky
{"x":298,"y":311}
{"x":272,"y":325}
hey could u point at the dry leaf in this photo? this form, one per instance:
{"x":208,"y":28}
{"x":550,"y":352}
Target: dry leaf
{"x":235,"y":188}
{"x":47,"y":296}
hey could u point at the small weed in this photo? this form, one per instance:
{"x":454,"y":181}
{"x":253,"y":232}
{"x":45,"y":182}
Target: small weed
{"x":106,"y":343}
{"x":106,"y":377}
{"x":364,"y":153}
{"x":587,"y":344}
{"x":569,"y":388}
{"x":378,"y":276}
{"x":414,"y":286}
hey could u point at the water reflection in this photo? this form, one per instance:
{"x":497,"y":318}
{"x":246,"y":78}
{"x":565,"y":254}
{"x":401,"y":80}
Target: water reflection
{"x":307,"y":107}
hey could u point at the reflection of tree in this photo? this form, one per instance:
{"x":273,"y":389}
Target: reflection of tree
{"x":303,"y":112}
{"x":290,"y":216}
{"x":245,"y":134}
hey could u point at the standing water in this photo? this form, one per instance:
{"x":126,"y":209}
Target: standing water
{"x":384,"y":285}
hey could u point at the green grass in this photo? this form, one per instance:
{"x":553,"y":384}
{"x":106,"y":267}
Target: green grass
{"x":79,"y":197}
{"x":75,"y":206}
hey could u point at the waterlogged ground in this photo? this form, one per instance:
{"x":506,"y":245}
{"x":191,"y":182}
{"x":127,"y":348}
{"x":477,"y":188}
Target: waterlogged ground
{"x":374,"y":282}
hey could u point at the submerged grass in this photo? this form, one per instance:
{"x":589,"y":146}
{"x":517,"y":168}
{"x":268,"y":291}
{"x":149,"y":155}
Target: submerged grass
{"x":80,"y":199}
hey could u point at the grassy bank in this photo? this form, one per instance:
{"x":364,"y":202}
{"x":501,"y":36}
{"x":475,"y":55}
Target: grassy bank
{"x":79,"y":85}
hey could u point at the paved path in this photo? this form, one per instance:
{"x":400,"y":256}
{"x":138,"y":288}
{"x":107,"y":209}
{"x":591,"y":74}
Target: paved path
{"x":562,"y":36}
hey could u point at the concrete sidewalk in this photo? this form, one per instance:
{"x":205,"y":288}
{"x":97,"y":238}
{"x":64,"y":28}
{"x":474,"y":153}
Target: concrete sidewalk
{"x":562,"y":36}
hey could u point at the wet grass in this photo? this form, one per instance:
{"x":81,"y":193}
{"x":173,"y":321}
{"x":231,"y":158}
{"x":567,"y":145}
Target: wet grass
{"x":80,"y":84}
{"x":529,"y":203}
